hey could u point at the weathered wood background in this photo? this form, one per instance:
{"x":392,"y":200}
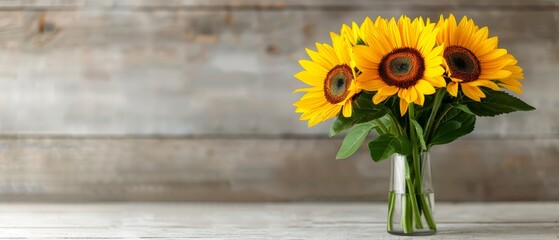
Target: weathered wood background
{"x":191,"y":100}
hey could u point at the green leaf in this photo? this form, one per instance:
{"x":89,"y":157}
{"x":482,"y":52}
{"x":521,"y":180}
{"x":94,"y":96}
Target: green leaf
{"x":386,"y":121}
{"x":387,"y":144}
{"x":456,"y":123}
{"x":365,"y":103}
{"x":419,"y":132}
{"x":353,"y":139}
{"x":497,"y":102}
{"x":445,"y":130}
{"x":342,"y":123}
{"x":462,"y":107}
{"x":364,"y":110}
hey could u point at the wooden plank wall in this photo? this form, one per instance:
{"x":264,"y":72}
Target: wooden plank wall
{"x":191,"y":100}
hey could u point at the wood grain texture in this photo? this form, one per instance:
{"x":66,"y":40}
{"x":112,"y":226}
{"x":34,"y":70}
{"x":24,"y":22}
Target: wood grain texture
{"x":167,"y":169}
{"x":194,"y":98}
{"x":265,"y":4}
{"x":214,"y":72}
{"x":268,"y":221}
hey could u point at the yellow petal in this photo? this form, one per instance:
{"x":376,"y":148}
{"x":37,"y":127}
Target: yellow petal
{"x":496,"y":63}
{"x":492,"y":54}
{"x":427,"y":39}
{"x":310,"y":78}
{"x":478,"y":38}
{"x":403,"y":94}
{"x":365,"y":58}
{"x":388,"y":90}
{"x":347,"y":109}
{"x":487,"y":46}
{"x":461,"y":30}
{"x":330,"y":113}
{"x":372,"y":85}
{"x":420,"y":100}
{"x":394,"y":34}
{"x":379,"y":98}
{"x":310,"y":104}
{"x":327,"y":52}
{"x":451,"y":24}
{"x":424,"y":87}
{"x":313,"y":121}
{"x":437,"y":81}
{"x":435,"y":54}
{"x":452,"y":88}
{"x":311,"y":113}
{"x":412,"y":92}
{"x":511,"y":87}
{"x":347,"y":32}
{"x":314,"y":67}
{"x":495,"y":76}
{"x":404,"y":26}
{"x":486,"y":83}
{"x":434,"y":71}
{"x":341,"y":47}
{"x":311,"y":89}
{"x":403,"y":107}
{"x":472,"y":92}
{"x":511,"y":81}
{"x":316,"y":57}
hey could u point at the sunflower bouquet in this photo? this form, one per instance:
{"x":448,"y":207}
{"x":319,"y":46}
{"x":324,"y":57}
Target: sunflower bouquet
{"x":415,"y":83}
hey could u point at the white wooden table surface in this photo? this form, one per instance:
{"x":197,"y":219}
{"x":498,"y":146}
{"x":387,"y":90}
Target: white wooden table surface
{"x":267,"y":221}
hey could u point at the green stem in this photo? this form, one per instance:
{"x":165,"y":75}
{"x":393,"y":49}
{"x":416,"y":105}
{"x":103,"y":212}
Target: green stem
{"x":436,"y":104}
{"x":383,"y":128}
{"x":415,"y":151}
{"x":413,"y":202}
{"x":404,"y":220}
{"x":428,"y":213}
{"x":415,"y":160}
{"x":397,"y":124}
{"x":409,"y":216}
{"x":391,"y":202}
{"x":418,"y":173}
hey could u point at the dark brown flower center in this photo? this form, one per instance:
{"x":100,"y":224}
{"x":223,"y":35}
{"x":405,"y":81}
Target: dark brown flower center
{"x":402,"y":67}
{"x":463,"y":63}
{"x":337,"y":82}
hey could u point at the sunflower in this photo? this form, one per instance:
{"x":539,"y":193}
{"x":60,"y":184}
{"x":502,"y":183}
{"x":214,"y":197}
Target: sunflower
{"x":400,"y":58}
{"x":355,"y":34}
{"x":331,"y":76}
{"x":512,"y":82}
{"x":472,"y":60}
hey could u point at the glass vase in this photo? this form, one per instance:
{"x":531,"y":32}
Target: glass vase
{"x":411,"y":199}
